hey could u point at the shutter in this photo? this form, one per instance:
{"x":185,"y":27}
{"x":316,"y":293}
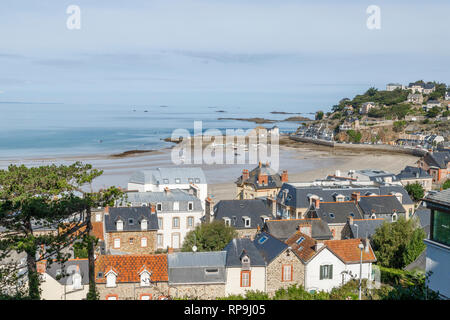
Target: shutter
{"x":330,"y":276}
{"x":321,"y":272}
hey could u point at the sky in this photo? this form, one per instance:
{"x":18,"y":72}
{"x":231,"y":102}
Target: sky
{"x":198,"y":52}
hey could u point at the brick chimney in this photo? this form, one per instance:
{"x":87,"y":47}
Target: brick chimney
{"x":350,"y":220}
{"x":305,"y":228}
{"x":209,"y":209}
{"x":259,"y":164}
{"x":366,"y":245}
{"x":356,"y":196}
{"x":284,"y":176}
{"x":166,"y":190}
{"x":107,"y":210}
{"x":152,"y":208}
{"x":316,"y":203}
{"x":263,"y":179}
{"x":245,"y":175}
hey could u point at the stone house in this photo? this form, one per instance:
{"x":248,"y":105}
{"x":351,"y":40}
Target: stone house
{"x":245,"y":268}
{"x":284,"y":229}
{"x":246,"y":216}
{"x":262,"y":181}
{"x":366,"y":107}
{"x":132,"y":277}
{"x":415,"y":98}
{"x":411,"y":175}
{"x":131,"y":230}
{"x":436,"y":164}
{"x":197,"y":275}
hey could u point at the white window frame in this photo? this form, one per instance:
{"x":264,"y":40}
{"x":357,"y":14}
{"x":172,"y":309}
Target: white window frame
{"x":144,"y":242}
{"x":159,"y":206}
{"x":111,"y":279}
{"x":119,"y":225}
{"x":116,"y":241}
{"x":159,"y":237}
{"x":144,"y":225}
{"x":145,"y":279}
{"x":190,"y":206}
{"x":176,"y":206}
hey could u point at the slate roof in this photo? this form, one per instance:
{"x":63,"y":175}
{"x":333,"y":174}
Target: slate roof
{"x":273,"y":180}
{"x":284,"y":229}
{"x":235,"y":210}
{"x":304,"y":250}
{"x":365,"y":228}
{"x":335,"y":212}
{"x":442,"y":197}
{"x":437,"y":159}
{"x":413,"y":173}
{"x":165,"y":198}
{"x":157,"y":176}
{"x":380,"y":205}
{"x":298,"y":196}
{"x":347,"y":250}
{"x":127,"y":213}
{"x":128,"y":267}
{"x":198,"y":267}
{"x":269,"y":246}
{"x":69,"y":267}
{"x":237,"y":247}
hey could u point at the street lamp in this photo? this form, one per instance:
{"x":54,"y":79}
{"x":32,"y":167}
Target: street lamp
{"x":361,"y":247}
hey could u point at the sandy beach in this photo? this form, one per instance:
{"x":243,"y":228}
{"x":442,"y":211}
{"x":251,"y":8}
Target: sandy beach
{"x":304,"y":162}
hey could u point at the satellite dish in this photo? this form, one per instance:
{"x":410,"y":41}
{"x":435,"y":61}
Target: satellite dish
{"x":194,"y":248}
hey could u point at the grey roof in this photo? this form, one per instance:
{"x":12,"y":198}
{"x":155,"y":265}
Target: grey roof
{"x":165,"y":198}
{"x":298,"y":196}
{"x":380,"y":205}
{"x":236,"y":210}
{"x":136,"y":214}
{"x":413,"y":173}
{"x":376,"y":175}
{"x":69,"y":267}
{"x":198,"y":267}
{"x":284,"y":229}
{"x":365,"y":228}
{"x":158,"y":176}
{"x":442,"y":197}
{"x":269,"y":246}
{"x":335,"y":212}
{"x":437,"y":159}
{"x":273,"y":178}
{"x":237,"y":248}
{"x":424,"y":215}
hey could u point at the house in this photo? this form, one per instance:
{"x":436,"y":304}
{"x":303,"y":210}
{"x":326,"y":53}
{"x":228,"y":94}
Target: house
{"x":132,"y":277}
{"x":197,"y":275}
{"x":387,"y":207}
{"x":284,"y":229}
{"x":433,"y":103}
{"x":331,"y":263}
{"x":178,"y":213}
{"x":378,"y":176}
{"x":438,"y":243}
{"x":246,"y":216}
{"x":436,"y":164}
{"x":262,"y":181}
{"x":415,"y":98}
{"x":283,"y":269}
{"x":393,"y":86}
{"x":361,"y":228}
{"x":428,"y":88}
{"x":366,"y":106}
{"x":245,"y":267}
{"x":411,"y":175}
{"x":447,"y":96}
{"x":294,"y":199}
{"x":425,"y":88}
{"x":65,"y":281}
{"x":131,"y":230}
{"x":157,"y":180}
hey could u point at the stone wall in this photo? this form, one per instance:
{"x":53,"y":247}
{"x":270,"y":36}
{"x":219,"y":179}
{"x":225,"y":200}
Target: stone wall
{"x":274,"y":280}
{"x":133,"y":290}
{"x":199,"y":291}
{"x":134,"y":248}
{"x":242,"y":233}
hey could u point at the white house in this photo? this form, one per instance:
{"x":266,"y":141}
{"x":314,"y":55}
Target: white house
{"x":157,"y":180}
{"x":178,"y":212}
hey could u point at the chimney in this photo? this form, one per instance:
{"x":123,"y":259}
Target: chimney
{"x":263,"y":179}
{"x":356,"y":196}
{"x":318,"y":246}
{"x":284,"y":176}
{"x":107,"y":210}
{"x":274,"y":207}
{"x":316,"y":203}
{"x":245,"y":175}
{"x":169,"y":250}
{"x":350,"y":220}
{"x":209,"y":209}
{"x":152,"y":208}
{"x":305,"y":228}
{"x":259,"y":164}
{"x":166,"y":190}
{"x":366,"y":245}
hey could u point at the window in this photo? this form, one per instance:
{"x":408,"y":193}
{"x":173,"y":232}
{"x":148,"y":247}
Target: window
{"x":159,"y":240}
{"x":247,"y":222}
{"x":166,"y":181}
{"x":331,"y":215}
{"x":145,"y":279}
{"x":131,"y":221}
{"x":177,"y":180}
{"x":76,"y":280}
{"x":440,"y":227}
{"x":190,"y":222}
{"x":110,"y":280}
{"x":197,"y":180}
{"x":326,"y":272}
{"x":175,"y":240}
{"x":373,"y":216}
{"x":176,"y":206}
{"x":98,"y":217}
{"x":227,"y":221}
{"x":175,"y":223}
{"x":116,"y":243}
{"x":131,"y":241}
{"x":190,"y":180}
{"x":190,"y":206}
{"x":160,"y":223}
{"x":262,"y":239}
{"x":143,"y":242}
{"x":119,"y":225}
{"x":299,"y":240}
{"x":211,"y":271}
{"x":286,"y":272}
{"x":394,"y":217}
{"x":159,"y":207}
{"x":112,"y":297}
{"x":146,"y":296}
{"x":245,"y":278}
{"x":144,"y":225}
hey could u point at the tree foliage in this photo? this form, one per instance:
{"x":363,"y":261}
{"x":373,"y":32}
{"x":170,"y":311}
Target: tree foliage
{"x":212,"y":236}
{"x":354,"y":136}
{"x":446,"y":184}
{"x":415,"y":190}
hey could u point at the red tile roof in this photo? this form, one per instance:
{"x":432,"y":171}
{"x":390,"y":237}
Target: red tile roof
{"x":97,"y":230}
{"x":348,"y":251}
{"x":128,"y":267}
{"x":305,"y":250}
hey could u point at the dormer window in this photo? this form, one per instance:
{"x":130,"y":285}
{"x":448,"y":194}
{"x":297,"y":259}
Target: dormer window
{"x":159,"y":207}
{"x":190,"y":206}
{"x":394,"y":217}
{"x":76,"y":280}
{"x":190,"y":180}
{"x":245,"y":262}
{"x":145,"y":278}
{"x":144,"y":225}
{"x":111,"y":278}
{"x":247,"y":221}
{"x":131,"y":221}
{"x":197,"y":180}
{"x":177,"y":180}
{"x":165,"y":181}
{"x":264,"y":218}
{"x":227,"y":221}
{"x":176,"y":206}
{"x":373,"y":216}
{"x":119,"y":225}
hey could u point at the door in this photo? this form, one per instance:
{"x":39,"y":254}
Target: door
{"x":176,"y":240}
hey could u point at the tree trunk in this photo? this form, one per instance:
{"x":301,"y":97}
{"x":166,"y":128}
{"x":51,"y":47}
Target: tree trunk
{"x":92,"y":294}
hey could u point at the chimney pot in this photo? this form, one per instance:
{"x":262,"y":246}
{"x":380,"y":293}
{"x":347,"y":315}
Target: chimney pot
{"x":284,"y":176}
{"x":356,"y":196}
{"x":107,"y":209}
{"x":152,"y":208}
{"x":350,"y":220}
{"x":316,"y":203}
